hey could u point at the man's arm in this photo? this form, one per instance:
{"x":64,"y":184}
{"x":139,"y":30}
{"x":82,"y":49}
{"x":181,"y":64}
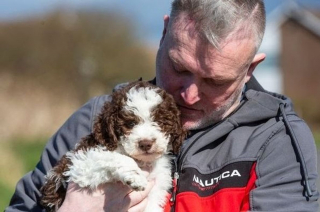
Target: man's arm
{"x":279,"y":184}
{"x":26,"y":196}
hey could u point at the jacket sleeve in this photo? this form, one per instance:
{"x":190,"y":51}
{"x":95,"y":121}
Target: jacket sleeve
{"x":26,"y":196}
{"x":279,"y":185}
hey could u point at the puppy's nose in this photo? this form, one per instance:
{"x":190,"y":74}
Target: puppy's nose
{"x":145,"y":145}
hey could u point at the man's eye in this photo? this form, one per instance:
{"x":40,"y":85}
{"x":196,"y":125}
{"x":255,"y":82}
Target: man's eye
{"x":178,"y":68}
{"x":215,"y":82}
{"x":182,"y":71}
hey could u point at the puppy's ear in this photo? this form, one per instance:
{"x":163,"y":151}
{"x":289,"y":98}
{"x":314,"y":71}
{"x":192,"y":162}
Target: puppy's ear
{"x":104,"y":127}
{"x":177,"y":137}
{"x":168,"y":117}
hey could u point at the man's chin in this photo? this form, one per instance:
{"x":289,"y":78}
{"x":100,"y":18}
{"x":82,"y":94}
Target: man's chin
{"x":198,"y":124}
{"x":192,"y":125}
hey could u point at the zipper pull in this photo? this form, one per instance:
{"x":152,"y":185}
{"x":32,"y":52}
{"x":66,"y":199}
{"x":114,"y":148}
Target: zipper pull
{"x":174,"y":185}
{"x":174,"y":182}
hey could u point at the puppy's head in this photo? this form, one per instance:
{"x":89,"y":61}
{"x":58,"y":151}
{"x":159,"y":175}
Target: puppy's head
{"x":142,"y":120}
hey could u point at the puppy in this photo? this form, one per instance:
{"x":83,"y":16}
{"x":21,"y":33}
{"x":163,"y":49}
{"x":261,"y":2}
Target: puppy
{"x":133,"y":132}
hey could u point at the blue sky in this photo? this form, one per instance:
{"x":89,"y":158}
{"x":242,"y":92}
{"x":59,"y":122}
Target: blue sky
{"x":147,"y":14}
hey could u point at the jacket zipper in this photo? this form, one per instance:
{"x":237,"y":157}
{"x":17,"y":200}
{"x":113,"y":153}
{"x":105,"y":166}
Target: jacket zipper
{"x":179,"y":159}
{"x":178,"y":168}
{"x":174,"y":183}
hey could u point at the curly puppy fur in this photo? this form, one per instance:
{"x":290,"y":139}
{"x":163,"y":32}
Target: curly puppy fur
{"x":112,"y":125}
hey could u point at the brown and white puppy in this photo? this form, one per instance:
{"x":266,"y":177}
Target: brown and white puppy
{"x":133,"y":132}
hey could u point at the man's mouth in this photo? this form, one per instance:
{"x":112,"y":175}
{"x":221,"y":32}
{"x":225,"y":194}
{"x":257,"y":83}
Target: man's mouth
{"x":188,"y":109}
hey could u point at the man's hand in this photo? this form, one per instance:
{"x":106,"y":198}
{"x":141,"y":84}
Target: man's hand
{"x":111,"y":197}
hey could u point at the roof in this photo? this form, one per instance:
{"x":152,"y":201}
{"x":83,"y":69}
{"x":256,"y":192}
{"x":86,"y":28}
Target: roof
{"x":290,"y":10}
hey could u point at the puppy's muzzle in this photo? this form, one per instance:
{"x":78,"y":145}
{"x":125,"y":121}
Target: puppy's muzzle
{"x":146,"y":145}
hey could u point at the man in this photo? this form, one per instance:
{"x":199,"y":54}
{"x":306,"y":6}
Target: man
{"x":248,"y":150}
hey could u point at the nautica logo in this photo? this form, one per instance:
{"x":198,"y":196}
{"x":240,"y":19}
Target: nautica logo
{"x":213,"y":181}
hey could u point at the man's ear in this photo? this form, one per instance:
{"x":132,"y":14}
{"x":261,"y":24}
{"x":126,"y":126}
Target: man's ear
{"x":165,"y":27}
{"x":258,"y":58}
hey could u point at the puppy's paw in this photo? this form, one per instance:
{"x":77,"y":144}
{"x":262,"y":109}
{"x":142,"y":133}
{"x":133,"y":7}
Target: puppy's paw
{"x":136,"y":181}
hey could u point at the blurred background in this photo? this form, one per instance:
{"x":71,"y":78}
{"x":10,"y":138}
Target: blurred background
{"x":56,"y":55}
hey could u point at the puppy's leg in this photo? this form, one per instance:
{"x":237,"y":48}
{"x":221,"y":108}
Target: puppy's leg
{"x":163,"y":182}
{"x":97,"y":166}
{"x":54,"y":189}
{"x":130,"y":174}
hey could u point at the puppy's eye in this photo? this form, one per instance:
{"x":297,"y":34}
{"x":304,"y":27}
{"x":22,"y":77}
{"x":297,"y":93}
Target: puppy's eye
{"x":130,"y":124}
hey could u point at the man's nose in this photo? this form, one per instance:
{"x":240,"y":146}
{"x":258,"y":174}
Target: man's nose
{"x":190,"y":93}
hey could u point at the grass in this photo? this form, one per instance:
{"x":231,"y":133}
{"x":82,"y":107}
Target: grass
{"x":317,"y":138}
{"x":26,"y":153}
{"x":5,"y":194}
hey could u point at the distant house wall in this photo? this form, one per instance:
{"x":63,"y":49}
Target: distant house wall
{"x":300,"y":63}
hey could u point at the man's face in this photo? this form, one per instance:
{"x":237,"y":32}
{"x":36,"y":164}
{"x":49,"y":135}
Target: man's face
{"x":206,"y":83}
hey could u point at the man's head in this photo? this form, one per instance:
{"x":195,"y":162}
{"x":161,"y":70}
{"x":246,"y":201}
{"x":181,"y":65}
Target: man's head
{"x":206,"y":55}
{"x":216,"y":19}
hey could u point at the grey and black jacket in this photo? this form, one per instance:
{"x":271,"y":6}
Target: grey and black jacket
{"x":262,"y":157}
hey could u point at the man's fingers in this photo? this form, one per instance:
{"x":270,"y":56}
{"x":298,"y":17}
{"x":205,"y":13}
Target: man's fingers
{"x":135,"y":197}
{"x":117,"y":188}
{"x":140,"y":207}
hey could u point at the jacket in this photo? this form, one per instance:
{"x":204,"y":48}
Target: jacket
{"x":262,"y":157}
